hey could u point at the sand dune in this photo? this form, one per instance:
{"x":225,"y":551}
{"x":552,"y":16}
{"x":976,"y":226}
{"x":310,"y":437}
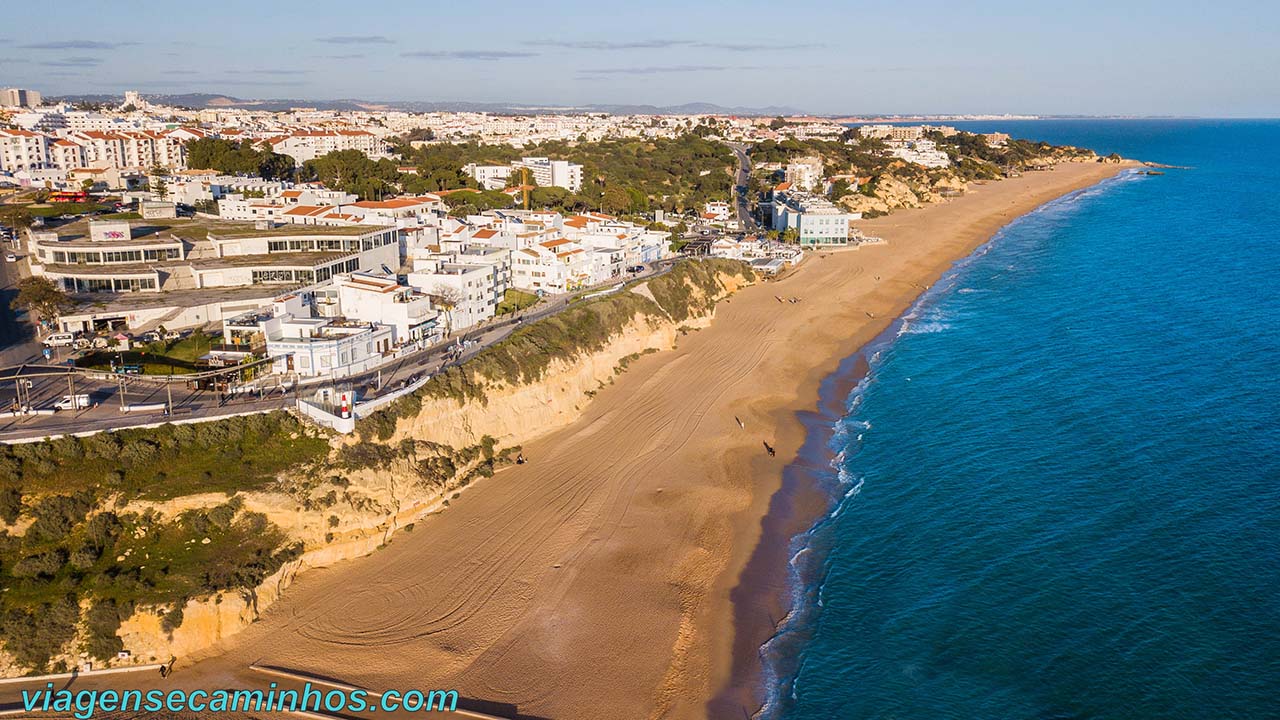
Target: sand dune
{"x":594,"y":581}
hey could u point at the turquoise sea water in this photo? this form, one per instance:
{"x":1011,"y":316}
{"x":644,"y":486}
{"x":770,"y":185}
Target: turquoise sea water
{"x":1059,"y":487}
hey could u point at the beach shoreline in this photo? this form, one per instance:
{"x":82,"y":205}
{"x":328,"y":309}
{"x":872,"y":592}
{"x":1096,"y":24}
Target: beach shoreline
{"x":766,"y":591}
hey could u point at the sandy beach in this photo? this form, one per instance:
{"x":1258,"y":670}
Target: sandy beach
{"x":621,"y":573}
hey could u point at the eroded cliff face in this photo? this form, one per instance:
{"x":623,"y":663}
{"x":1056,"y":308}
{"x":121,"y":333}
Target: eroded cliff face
{"x":904,"y":186}
{"x":352,"y":513}
{"x":515,"y":414}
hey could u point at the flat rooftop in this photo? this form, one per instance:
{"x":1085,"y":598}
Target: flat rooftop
{"x":257,"y":295}
{"x":199,"y":228}
{"x":300,"y":259}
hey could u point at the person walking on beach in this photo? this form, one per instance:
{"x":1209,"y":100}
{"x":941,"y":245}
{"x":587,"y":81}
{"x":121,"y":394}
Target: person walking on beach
{"x":769,"y":449}
{"x":740,"y":423}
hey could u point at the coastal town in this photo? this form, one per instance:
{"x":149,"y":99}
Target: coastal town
{"x":242,"y":343}
{"x":298,"y":288}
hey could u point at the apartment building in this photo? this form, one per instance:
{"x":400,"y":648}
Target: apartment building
{"x":552,"y":173}
{"x":804,"y":173}
{"x":23,"y":150}
{"x":19,"y":97}
{"x":489,"y":177}
{"x":304,"y":145}
{"x":465,"y":293}
{"x":816,"y":221}
{"x":640,"y":244}
{"x":378,"y":298}
{"x":551,"y":267}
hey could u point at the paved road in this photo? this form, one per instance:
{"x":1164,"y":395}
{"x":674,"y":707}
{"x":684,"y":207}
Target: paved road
{"x":745,"y":221}
{"x":108,"y":399}
{"x":17,"y":338}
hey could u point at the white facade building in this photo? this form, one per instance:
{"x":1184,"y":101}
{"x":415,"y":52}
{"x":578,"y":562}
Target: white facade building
{"x":816,"y":220}
{"x":23,"y":150}
{"x":466,"y":294}
{"x":552,"y":173}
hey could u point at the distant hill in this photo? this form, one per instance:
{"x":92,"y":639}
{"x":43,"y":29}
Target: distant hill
{"x":201,"y":101}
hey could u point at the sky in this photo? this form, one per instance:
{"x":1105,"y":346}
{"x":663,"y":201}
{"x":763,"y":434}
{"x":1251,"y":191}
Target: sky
{"x":1086,"y":57}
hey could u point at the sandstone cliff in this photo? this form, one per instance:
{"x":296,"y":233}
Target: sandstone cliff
{"x":369,"y":488}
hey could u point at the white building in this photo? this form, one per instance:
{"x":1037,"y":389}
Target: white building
{"x":304,"y":145}
{"x":378,"y":298}
{"x":552,"y":267}
{"x":922,"y":152}
{"x":490,"y":177}
{"x":552,"y":173}
{"x":816,"y":220}
{"x":466,"y":294}
{"x":23,"y":150}
{"x":804,"y":173}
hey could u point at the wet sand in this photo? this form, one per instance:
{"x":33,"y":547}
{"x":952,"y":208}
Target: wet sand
{"x":633,"y":567}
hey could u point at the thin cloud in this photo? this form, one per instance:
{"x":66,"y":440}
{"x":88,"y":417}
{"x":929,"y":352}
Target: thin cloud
{"x":356,"y":40}
{"x":749,"y":47}
{"x":660,"y":44}
{"x":76,"y":45}
{"x":354,"y":56}
{"x":609,"y":44}
{"x":82,"y":62}
{"x":658,"y":69}
{"x":469,"y":54}
{"x":255,"y":83}
{"x":268,"y":72}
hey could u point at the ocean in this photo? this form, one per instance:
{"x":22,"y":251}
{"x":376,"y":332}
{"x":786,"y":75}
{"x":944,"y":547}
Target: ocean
{"x":1057,"y":491}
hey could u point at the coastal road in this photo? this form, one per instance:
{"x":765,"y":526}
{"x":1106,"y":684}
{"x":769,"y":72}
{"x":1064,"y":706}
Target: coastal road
{"x":190,"y":403}
{"x":743,"y":179}
{"x":17,"y":338}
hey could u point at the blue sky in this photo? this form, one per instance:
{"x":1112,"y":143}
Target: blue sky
{"x":1085,"y":57}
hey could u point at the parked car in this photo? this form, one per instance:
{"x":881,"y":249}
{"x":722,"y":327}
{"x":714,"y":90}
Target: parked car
{"x":10,"y":257}
{"x":72,"y":402}
{"x":62,"y":339}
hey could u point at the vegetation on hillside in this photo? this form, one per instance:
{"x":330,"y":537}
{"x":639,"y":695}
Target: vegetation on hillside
{"x":238,"y":158}
{"x":74,"y":551}
{"x":621,"y":176}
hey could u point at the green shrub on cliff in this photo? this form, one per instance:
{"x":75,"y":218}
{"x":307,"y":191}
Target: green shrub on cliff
{"x":239,"y":453}
{"x":117,"y":562}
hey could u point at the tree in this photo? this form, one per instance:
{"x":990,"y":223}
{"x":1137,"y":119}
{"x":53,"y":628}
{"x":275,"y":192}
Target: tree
{"x":238,"y":158}
{"x":157,"y":182}
{"x":448,"y":298}
{"x":42,"y":297}
{"x":15,"y":216}
{"x":616,"y":200}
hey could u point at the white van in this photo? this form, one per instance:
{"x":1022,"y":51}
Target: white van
{"x":62,"y":339}
{"x":72,"y":402}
